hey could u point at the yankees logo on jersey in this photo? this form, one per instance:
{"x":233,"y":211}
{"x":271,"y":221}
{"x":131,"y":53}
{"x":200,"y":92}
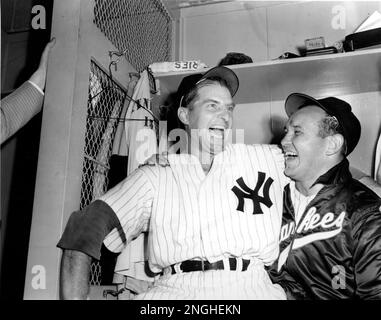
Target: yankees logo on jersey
{"x":245,"y":192}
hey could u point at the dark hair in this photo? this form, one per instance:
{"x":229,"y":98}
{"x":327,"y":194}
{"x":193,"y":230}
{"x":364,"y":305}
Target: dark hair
{"x":328,"y":126}
{"x":235,"y":58}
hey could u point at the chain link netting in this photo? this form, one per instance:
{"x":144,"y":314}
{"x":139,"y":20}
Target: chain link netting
{"x":105,"y":103}
{"x":140,"y":28}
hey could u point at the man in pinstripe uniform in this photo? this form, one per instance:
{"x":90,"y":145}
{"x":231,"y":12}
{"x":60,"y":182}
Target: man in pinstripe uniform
{"x":213,"y":215}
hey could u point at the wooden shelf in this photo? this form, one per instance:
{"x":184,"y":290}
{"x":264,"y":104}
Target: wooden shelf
{"x":333,"y":74}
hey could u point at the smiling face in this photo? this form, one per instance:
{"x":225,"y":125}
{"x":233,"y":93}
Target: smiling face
{"x":305,"y":150}
{"x":208,"y":117}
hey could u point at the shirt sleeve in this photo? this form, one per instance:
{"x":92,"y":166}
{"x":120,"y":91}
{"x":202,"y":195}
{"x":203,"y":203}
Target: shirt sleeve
{"x":367,"y":253}
{"x":18,"y":108}
{"x":279,"y":163}
{"x":114,"y":219}
{"x":131,"y":200}
{"x":86,"y":229}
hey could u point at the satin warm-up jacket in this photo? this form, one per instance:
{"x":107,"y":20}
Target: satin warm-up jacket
{"x":335,"y":250}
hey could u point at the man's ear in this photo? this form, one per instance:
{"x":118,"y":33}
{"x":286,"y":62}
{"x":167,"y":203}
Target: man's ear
{"x":335,"y":143}
{"x":183,"y":114}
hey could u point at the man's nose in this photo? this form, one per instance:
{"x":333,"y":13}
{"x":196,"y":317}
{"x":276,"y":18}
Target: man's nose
{"x":225,"y":115}
{"x":286,"y":140}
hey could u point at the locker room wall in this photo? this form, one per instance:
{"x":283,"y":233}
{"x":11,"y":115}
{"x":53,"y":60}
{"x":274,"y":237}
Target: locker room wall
{"x":265,"y":30}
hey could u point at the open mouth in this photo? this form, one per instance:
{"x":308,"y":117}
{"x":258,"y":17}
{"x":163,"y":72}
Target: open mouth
{"x":217,"y":131}
{"x":289,"y":155}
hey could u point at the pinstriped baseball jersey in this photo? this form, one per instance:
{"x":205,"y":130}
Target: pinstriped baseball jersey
{"x":233,"y":211}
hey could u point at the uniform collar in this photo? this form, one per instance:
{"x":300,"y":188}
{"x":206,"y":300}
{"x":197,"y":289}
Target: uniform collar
{"x":338,"y":174}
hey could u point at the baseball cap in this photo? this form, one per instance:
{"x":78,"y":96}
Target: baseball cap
{"x":225,"y":73}
{"x":334,"y":107}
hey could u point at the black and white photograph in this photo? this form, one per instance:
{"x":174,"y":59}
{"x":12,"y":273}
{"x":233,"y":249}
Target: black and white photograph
{"x":213,"y":151}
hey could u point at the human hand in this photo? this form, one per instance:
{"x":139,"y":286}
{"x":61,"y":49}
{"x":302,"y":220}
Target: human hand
{"x":158,"y":159}
{"x":39,"y":76}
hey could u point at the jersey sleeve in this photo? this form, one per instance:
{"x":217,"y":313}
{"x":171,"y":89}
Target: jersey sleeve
{"x":271,"y":157}
{"x":114,"y":219}
{"x":86,"y":229}
{"x":131,"y":201}
{"x":279,"y":164}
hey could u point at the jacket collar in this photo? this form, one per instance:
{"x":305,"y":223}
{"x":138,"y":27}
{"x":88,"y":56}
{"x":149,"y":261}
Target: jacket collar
{"x":336,"y":175}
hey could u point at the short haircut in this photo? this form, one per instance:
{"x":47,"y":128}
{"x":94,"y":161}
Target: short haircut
{"x":328,"y":126}
{"x":188,"y":99}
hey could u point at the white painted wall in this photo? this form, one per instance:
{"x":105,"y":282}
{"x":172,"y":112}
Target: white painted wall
{"x":264,"y":30}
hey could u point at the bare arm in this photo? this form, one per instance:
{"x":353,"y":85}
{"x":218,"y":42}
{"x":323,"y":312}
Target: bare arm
{"x":75,"y":274}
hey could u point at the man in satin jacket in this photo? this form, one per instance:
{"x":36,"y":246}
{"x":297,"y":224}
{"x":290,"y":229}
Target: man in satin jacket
{"x":330,"y":241}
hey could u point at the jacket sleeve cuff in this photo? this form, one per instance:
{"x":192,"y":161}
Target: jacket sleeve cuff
{"x":36,"y":86}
